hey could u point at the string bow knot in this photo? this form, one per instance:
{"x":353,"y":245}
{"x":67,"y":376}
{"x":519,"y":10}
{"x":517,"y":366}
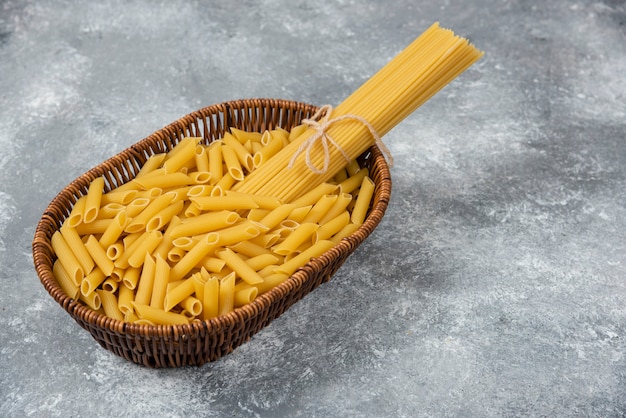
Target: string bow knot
{"x":321,"y":121}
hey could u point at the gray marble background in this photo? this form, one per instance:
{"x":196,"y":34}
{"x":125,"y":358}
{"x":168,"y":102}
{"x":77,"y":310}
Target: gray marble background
{"x":495,"y":285}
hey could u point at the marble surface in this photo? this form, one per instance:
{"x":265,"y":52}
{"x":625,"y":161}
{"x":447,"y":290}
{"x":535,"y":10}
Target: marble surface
{"x":495,"y":285}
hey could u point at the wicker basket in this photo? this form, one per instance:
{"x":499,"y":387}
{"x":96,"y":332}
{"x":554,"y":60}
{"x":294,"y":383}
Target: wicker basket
{"x":200,"y":342}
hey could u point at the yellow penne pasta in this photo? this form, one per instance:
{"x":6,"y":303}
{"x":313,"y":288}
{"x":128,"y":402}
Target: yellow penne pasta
{"x":270,"y":148}
{"x":109,"y":304}
{"x":320,"y":208}
{"x":301,"y":259}
{"x":131,"y":277}
{"x":315,"y":195}
{"x":164,"y":181}
{"x":362,"y":201}
{"x":216,"y":203}
{"x":159,"y":285}
{"x":265,"y":240}
{"x":226,"y":182}
{"x":159,"y":316}
{"x":239,"y":266}
{"x":245,"y":296}
{"x":242,"y":153}
{"x":250,"y":249}
{"x":296,"y":131}
{"x":301,"y":234}
{"x":115,"y":250}
{"x":245,"y":136}
{"x":200,"y":177}
{"x":241,"y":232}
{"x":345,"y":232}
{"x":146,"y":281}
{"x":226,"y":294}
{"x":138,"y":223}
{"x":119,"y":197}
{"x":210,"y":298}
{"x":76,"y":215}
{"x":174,"y":255}
{"x":261,"y":261}
{"x":110,"y":210}
{"x":191,"y":258}
{"x":94,"y":196}
{"x":151,"y":164}
{"x":343,"y":200}
{"x":92,"y":300}
{"x":125,"y":296}
{"x":109,"y":285}
{"x":233,"y":166}
{"x":91,"y":282}
{"x":192,"y":306}
{"x":353,"y":182}
{"x":93,"y":228}
{"x":212,"y":264}
{"x":166,"y":242}
{"x":65,"y":281}
{"x":99,"y":255}
{"x":77,"y":247}
{"x":332,"y":227}
{"x":136,"y":206}
{"x":117,"y":274}
{"x":178,"y":294}
{"x":263,"y":202}
{"x":152,"y":240}
{"x":216,"y":169}
{"x":164,"y":216}
{"x":67,"y":258}
{"x":114,"y":230}
{"x":181,"y":154}
{"x":201,"y":158}
{"x":207,"y":222}
{"x":299,"y":213}
{"x":277,"y":215}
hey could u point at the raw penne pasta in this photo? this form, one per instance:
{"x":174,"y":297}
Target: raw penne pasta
{"x":362,"y":201}
{"x":99,"y":255}
{"x":243,"y":155}
{"x":181,"y":154}
{"x":158,"y":316}
{"x":124,"y":299}
{"x":210,"y":298}
{"x":207,"y":222}
{"x":244,"y":296}
{"x":201,"y":158}
{"x":301,"y":234}
{"x":245,"y":136}
{"x":110,"y":285}
{"x":233,"y":165}
{"x":343,"y":200}
{"x":114,"y":230}
{"x":92,"y":300}
{"x":164,"y":216}
{"x":215,"y":161}
{"x":136,"y":206}
{"x":94,"y":196}
{"x":110,"y":210}
{"x":226,"y":294}
{"x":159,"y":284}
{"x":91,"y":282}
{"x":131,"y":277}
{"x":73,"y":241}
{"x":332,"y":227}
{"x":320,"y":208}
{"x":165,"y":180}
{"x":315,"y":250}
{"x":192,"y":306}
{"x":109,"y":304}
{"x":147,"y":245}
{"x":76,"y":215}
{"x":119,"y":197}
{"x":65,"y":281}
{"x":139,"y":222}
{"x":191,"y":258}
{"x":224,"y":202}
{"x":151,"y":164}
{"x":239,"y":266}
{"x":115,"y":250}
{"x":146,"y":281}
{"x":179,"y":293}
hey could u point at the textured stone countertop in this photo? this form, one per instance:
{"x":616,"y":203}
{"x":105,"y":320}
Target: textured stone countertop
{"x":496,"y":283}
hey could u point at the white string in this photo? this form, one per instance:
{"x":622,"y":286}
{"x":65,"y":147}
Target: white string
{"x":321,"y":121}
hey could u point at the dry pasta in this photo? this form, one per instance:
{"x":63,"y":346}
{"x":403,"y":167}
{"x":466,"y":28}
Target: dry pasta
{"x":203,"y":229}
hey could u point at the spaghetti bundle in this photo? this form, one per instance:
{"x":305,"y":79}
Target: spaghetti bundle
{"x":423,"y":68}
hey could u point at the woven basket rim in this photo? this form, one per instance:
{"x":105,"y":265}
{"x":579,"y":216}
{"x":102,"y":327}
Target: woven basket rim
{"x":46,"y":224}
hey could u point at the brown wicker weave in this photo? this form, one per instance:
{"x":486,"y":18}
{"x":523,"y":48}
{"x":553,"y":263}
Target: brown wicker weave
{"x":200,"y":342}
